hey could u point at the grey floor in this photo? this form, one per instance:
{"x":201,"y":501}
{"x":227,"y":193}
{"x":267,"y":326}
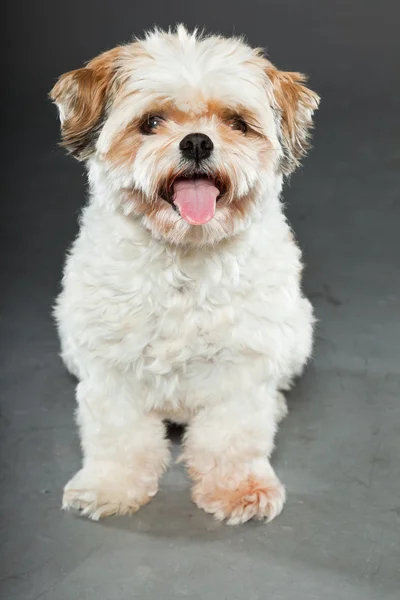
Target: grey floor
{"x":338,"y":451}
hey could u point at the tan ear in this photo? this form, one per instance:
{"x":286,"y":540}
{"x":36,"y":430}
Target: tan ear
{"x":295,"y":104}
{"x":81,"y":97}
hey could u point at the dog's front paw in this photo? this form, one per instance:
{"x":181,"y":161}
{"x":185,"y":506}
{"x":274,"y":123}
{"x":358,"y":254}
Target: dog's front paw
{"x":253,"y":497}
{"x":94,"y":494}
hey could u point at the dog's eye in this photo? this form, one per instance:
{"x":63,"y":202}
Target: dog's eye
{"x":150,"y":124}
{"x":238,"y":124}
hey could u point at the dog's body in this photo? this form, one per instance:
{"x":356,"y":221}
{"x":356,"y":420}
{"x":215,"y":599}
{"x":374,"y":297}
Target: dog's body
{"x":200,"y":319}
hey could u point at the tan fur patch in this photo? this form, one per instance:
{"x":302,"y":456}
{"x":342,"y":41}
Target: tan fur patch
{"x":296,"y":104}
{"x":251,"y":498}
{"x":125,"y":145}
{"x":82,"y":95}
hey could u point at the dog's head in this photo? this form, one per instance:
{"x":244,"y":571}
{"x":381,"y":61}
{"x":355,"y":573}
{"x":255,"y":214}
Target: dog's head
{"x":185,"y":132}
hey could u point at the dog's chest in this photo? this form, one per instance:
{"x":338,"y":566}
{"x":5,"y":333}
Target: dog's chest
{"x":183,"y":310}
{"x":162,"y":312}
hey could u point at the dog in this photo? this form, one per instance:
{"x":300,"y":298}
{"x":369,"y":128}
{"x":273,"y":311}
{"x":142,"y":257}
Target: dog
{"x":181,"y":296}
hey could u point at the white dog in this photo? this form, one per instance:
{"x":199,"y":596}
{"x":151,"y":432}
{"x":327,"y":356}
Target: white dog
{"x":181,"y":295}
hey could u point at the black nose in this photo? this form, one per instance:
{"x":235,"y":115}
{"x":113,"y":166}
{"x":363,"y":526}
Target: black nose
{"x":196,"y":146}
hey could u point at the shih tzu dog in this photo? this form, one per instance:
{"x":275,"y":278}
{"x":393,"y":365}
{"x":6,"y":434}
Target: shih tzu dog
{"x":182,"y":293}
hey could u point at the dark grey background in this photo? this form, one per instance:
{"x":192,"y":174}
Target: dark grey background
{"x":338,"y":451}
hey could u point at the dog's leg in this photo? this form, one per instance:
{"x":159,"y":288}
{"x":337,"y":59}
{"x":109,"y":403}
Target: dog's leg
{"x":124,"y":450}
{"x":227,"y":449}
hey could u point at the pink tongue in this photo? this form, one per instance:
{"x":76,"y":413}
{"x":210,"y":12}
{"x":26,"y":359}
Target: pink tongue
{"x":196,"y":199}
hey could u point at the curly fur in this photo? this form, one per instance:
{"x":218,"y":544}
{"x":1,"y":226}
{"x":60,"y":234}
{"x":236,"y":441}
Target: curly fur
{"x":160,"y":319}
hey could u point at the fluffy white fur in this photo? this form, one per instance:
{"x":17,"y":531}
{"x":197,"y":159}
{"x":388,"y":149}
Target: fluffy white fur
{"x":200,"y":325}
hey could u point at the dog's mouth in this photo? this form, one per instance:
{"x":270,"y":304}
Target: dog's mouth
{"x":194,"y":196}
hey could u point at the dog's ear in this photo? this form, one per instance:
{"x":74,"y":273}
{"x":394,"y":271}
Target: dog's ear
{"x":81,"y":97}
{"x":295,"y":104}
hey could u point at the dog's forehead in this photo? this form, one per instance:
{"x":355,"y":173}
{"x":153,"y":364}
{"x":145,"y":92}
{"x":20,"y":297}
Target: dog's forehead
{"x":192,"y":72}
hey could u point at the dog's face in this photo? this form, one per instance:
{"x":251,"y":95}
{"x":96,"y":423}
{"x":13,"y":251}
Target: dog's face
{"x":186,"y":133}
